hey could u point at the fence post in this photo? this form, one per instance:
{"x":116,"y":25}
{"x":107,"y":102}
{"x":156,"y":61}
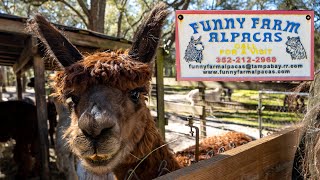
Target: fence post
{"x":203,"y":128}
{"x":260,"y":114}
{"x":19,"y":85}
{"x":160,"y":92}
{"x":40,"y":95}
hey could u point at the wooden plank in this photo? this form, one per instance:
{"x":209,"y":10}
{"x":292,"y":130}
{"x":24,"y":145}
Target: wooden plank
{"x":12,"y":26}
{"x":9,"y":57}
{"x":6,"y":63}
{"x":4,"y":52}
{"x":18,"y":28}
{"x":92,"y":41}
{"x":11,"y":40}
{"x":29,"y":50}
{"x":270,"y":157}
{"x":276,"y":86}
{"x":160,"y":92}
{"x":10,"y":50}
{"x":7,"y":60}
{"x":40,"y":95}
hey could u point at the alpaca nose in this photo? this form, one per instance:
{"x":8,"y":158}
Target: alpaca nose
{"x":93,"y":123}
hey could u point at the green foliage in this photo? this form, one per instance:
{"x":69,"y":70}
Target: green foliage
{"x":56,"y":12}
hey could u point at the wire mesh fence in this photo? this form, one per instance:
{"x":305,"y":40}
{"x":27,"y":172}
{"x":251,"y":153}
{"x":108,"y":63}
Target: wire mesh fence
{"x":277,"y":109}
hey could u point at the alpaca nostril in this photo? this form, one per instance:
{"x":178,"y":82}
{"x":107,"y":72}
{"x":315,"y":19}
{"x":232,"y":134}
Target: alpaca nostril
{"x":95,"y":133}
{"x":106,"y":130}
{"x":88,"y":125}
{"x":86,"y":133}
{"x":92,"y":127}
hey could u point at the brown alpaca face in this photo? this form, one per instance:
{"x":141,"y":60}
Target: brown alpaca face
{"x":103,"y":123}
{"x":105,"y":90}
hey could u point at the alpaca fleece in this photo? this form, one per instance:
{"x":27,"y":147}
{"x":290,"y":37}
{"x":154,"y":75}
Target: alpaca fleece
{"x":108,"y":68}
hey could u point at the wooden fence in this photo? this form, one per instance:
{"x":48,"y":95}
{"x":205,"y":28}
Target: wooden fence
{"x":270,"y":157}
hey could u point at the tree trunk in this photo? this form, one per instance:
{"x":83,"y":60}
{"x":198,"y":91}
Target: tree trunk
{"x":119,"y":24}
{"x":97,"y":15}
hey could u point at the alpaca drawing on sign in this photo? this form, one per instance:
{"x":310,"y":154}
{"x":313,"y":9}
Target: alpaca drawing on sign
{"x":295,"y":48}
{"x":194,"y":50}
{"x":112,"y":129}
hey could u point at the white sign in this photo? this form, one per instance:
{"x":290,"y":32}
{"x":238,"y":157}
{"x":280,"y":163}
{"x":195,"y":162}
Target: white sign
{"x":244,"y":45}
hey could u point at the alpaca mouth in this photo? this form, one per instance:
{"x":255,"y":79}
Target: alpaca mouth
{"x":97,"y":162}
{"x":99,"y":159}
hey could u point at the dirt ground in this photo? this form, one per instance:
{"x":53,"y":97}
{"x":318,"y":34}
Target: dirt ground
{"x":8,"y":168}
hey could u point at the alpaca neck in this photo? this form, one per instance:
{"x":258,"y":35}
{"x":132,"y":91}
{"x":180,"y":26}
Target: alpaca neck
{"x":148,"y":160}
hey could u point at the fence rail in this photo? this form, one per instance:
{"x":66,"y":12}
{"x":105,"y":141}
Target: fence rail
{"x":276,"y":86}
{"x":270,"y":157}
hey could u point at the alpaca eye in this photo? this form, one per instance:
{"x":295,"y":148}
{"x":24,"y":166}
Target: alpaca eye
{"x":134,"y":95}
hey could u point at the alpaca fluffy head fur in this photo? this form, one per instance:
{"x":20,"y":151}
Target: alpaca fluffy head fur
{"x":106,"y":92}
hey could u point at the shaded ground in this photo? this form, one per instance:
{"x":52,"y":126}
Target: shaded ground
{"x":8,"y":168}
{"x":177,"y":131}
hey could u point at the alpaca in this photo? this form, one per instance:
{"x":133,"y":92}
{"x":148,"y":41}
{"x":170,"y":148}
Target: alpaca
{"x":19,"y":122}
{"x":210,"y":95}
{"x":211,"y":146}
{"x":112,"y":129}
{"x":65,"y":158}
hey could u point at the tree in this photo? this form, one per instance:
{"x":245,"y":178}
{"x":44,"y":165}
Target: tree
{"x":95,"y":15}
{"x":91,"y":16}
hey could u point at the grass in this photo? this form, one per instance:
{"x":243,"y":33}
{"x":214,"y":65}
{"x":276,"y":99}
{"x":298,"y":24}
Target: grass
{"x":252,"y":97}
{"x":270,"y":119}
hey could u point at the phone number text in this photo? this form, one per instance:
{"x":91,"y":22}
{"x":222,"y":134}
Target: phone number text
{"x":246,"y":60}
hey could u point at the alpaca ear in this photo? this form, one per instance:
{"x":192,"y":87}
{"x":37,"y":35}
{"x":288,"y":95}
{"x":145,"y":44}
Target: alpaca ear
{"x":146,"y":39}
{"x":57,"y":46}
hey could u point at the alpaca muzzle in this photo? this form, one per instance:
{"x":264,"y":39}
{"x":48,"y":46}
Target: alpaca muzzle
{"x":94,"y":123}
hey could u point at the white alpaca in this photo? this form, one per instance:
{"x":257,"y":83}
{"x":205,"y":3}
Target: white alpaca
{"x":83,"y":174}
{"x":65,"y":158}
{"x":210,"y":95}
